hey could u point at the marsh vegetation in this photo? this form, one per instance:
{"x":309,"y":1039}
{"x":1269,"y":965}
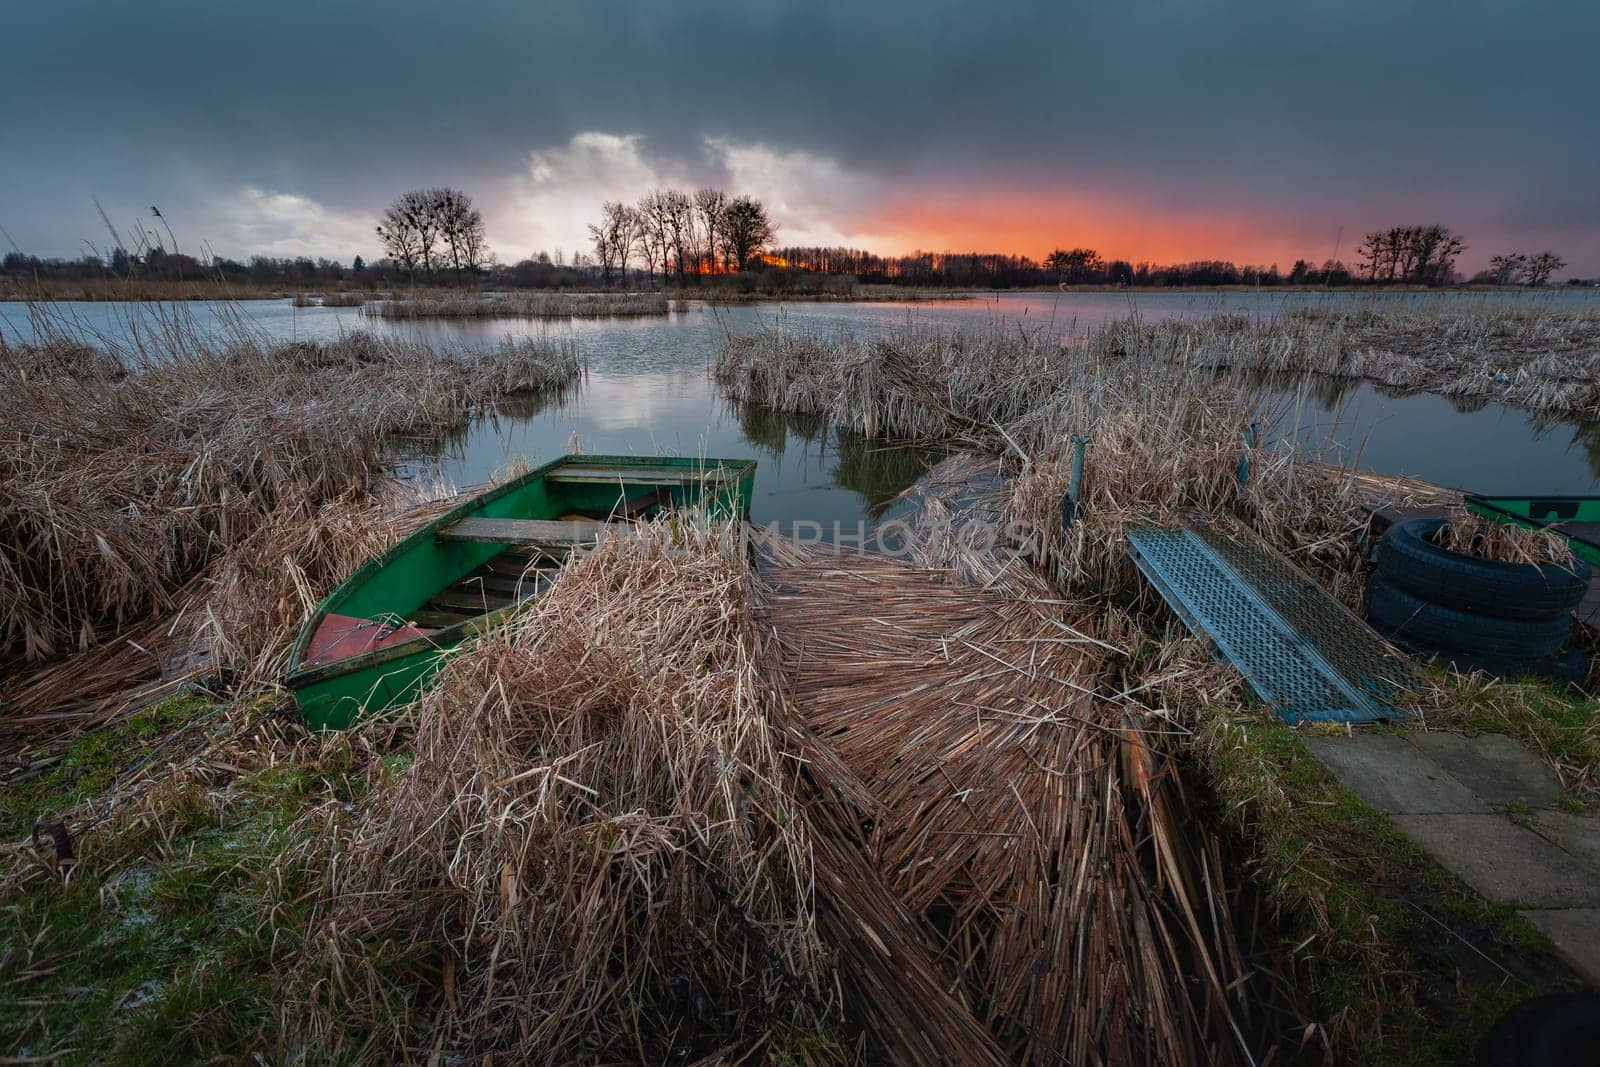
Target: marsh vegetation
{"x":520,"y":305}
{"x":124,"y":471}
{"x":680,"y":808}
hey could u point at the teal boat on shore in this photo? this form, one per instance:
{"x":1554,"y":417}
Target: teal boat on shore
{"x":1576,"y":518}
{"x":380,"y":635}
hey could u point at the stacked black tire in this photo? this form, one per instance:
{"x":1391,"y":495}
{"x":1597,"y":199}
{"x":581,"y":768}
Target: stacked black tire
{"x":1508,"y":619}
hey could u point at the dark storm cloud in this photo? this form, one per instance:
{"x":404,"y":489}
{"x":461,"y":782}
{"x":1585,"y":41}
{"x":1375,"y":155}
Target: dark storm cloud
{"x":1482,"y":114}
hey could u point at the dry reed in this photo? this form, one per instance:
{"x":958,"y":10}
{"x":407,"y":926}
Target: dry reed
{"x":595,"y":843}
{"x":113,"y":489}
{"x":1166,"y":440}
{"x":1018,"y":805}
{"x":1472,"y":534}
{"x":535,"y":305}
{"x":229,"y":625}
{"x":1540,"y":356}
{"x":56,"y":358}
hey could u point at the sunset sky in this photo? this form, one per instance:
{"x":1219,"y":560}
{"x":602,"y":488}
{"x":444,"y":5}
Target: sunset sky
{"x":1259,"y":132}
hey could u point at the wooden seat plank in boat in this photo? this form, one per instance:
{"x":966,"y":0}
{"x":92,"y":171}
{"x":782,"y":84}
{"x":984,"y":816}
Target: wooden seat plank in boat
{"x":478,"y":602}
{"x":495,"y":582}
{"x":640,"y":476}
{"x":641,"y":504}
{"x":540,"y":533}
{"x":484,"y":591}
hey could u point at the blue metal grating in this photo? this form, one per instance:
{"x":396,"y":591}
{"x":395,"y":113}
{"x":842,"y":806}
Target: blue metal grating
{"x":1302,"y":651}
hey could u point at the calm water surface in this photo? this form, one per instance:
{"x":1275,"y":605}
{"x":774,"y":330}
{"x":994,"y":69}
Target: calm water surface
{"x":648,"y":391}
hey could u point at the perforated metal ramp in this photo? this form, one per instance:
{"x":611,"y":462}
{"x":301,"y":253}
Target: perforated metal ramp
{"x":1302,"y":651}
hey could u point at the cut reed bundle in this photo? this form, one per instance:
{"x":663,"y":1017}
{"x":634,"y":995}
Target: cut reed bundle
{"x":343,"y":300}
{"x":595,"y":843}
{"x":57,"y":358}
{"x":915,"y":383}
{"x":521,"y":305}
{"x":1016,"y":807}
{"x":114,"y":489}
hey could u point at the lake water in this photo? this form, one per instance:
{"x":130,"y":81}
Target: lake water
{"x":648,"y":391}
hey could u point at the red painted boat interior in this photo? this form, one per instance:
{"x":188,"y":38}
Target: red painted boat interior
{"x":342,"y":636}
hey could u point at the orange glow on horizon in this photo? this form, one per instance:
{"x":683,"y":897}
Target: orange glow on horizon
{"x":1133,"y":229}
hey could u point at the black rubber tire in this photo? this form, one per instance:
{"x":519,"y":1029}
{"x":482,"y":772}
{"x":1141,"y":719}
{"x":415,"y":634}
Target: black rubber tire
{"x":1569,"y":668}
{"x":1554,"y":1030}
{"x":1431,"y":626}
{"x":1408,"y":557}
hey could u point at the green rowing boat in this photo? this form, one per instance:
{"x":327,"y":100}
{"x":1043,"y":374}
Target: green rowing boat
{"x":1576,"y":518}
{"x":376,"y":639}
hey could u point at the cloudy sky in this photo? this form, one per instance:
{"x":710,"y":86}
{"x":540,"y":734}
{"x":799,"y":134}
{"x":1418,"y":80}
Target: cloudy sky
{"x":1254,"y":131}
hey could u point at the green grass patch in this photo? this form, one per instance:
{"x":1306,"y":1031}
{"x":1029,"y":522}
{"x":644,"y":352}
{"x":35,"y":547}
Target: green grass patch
{"x":162,"y":941}
{"x":93,"y":763}
{"x":1418,"y":963}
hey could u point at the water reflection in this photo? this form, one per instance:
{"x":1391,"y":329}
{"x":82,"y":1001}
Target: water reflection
{"x":648,"y":393}
{"x":1467,"y":442}
{"x":878,"y":472}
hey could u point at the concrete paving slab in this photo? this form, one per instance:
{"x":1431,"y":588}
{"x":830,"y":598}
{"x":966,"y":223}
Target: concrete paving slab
{"x":1392,"y":776}
{"x":1504,"y":861}
{"x":1577,"y":834}
{"x":1498,"y":768}
{"x":1575,"y":933}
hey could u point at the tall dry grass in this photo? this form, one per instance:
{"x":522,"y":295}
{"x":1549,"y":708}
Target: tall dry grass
{"x":1472,"y":534}
{"x":229,"y":626}
{"x":116,"y":485}
{"x":1166,"y":437}
{"x":528,"y":305}
{"x":596,"y":843}
{"x":1544,"y":357}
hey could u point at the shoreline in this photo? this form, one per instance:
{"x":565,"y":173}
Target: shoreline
{"x":116,"y":291}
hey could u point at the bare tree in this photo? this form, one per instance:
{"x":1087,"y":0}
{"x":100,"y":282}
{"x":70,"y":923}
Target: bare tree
{"x":1542,"y":266}
{"x":678,"y":217}
{"x":612,"y":238}
{"x":430,"y":228}
{"x":1422,"y":255}
{"x":653,"y":218}
{"x":601,"y":239}
{"x":1076,"y":266}
{"x":461,"y":227}
{"x":710,"y":206}
{"x":625,"y":226}
{"x":409,"y":231}
{"x":746,"y":230}
{"x":1508,"y":267}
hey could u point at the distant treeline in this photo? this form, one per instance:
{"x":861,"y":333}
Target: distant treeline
{"x":268,"y":272}
{"x":941,"y":269}
{"x":1074,"y":267}
{"x":713,"y":241}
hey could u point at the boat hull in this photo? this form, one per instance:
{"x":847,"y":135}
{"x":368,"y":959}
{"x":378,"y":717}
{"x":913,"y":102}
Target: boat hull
{"x":362,"y":652}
